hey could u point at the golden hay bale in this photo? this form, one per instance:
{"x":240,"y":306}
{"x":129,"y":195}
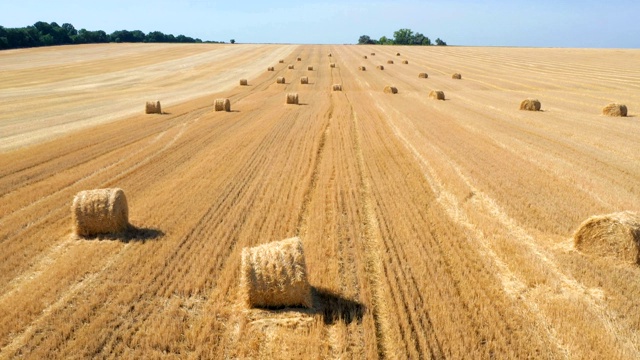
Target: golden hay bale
{"x":310,"y":68}
{"x":423,"y":75}
{"x":292,"y":98}
{"x":299,"y":59}
{"x":153,"y":107}
{"x":405,"y":61}
{"x":530,"y":105}
{"x":222,"y":105}
{"x":614,"y":109}
{"x":337,"y":87}
{"x":389,"y":61}
{"x":275,"y":275}
{"x":380,"y":67}
{"x":365,"y":57}
{"x":244,"y":82}
{"x":290,"y":67}
{"x":281,"y":61}
{"x":456,"y":76}
{"x":616,"y":235}
{"x":271,"y":68}
{"x":436,"y":95}
{"x":362,"y":68}
{"x":373,"y":54}
{"x":280,"y":80}
{"x":332,"y":65}
{"x":390,"y":90}
{"x":397,"y":54}
{"x":329,"y":54}
{"x":101,"y":211}
{"x":304,"y":80}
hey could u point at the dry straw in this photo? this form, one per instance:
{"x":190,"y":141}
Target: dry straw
{"x":310,"y":68}
{"x":614,"y":109}
{"x":153,"y":107}
{"x":290,"y":67}
{"x":456,"y":76}
{"x":423,"y":75}
{"x":275,"y":275}
{"x":292,"y":98}
{"x":222,"y":105}
{"x":380,"y":67}
{"x":337,"y":87}
{"x":304,"y":80}
{"x":530,"y":105}
{"x":101,"y":211}
{"x":271,"y":68}
{"x":244,"y":82}
{"x":332,"y":65}
{"x":280,"y":80}
{"x":390,"y":89}
{"x":405,"y":61}
{"x":389,"y":61}
{"x":362,"y":68}
{"x":616,"y":235}
{"x":436,"y":95}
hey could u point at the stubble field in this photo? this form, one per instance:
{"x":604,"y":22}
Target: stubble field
{"x":431,"y":229}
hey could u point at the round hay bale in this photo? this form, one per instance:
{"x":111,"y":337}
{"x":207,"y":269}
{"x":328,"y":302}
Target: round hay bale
{"x":365,"y":57}
{"x":530,"y":105}
{"x":389,"y":61}
{"x":337,"y":87}
{"x":456,"y":76}
{"x":244,"y":82}
{"x":304,"y":80}
{"x":436,"y":95}
{"x":332,"y":65}
{"x":373,"y":54}
{"x":397,"y":54}
{"x":614,"y":109}
{"x":380,"y":67}
{"x":153,"y":107}
{"x":292,"y":98}
{"x":405,"y":61}
{"x":271,"y":68}
{"x":280,"y":80}
{"x":299,"y":59}
{"x":362,"y":68}
{"x":329,"y":54}
{"x":100,"y":211}
{"x":423,"y":75}
{"x":390,"y":89}
{"x":310,"y":68}
{"x":222,"y":105}
{"x":275,"y":275}
{"x":290,"y":67}
{"x":616,"y":235}
{"x":281,"y":61}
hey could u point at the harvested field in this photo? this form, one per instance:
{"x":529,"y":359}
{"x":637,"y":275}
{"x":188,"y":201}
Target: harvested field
{"x":431,"y":229}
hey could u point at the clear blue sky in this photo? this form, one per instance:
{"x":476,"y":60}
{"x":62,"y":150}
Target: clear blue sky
{"x":545,"y":23}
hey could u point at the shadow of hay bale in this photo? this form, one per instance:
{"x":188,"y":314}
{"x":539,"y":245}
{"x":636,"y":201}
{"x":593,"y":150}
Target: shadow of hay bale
{"x":335,"y":308}
{"x":131,"y":234}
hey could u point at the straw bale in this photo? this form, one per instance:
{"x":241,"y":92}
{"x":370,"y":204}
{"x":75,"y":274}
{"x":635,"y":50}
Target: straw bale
{"x":423,"y":75}
{"x":337,"y":87}
{"x":380,"y":67}
{"x":271,"y":68}
{"x":100,"y":211}
{"x":390,"y":89}
{"x":291,"y":67}
{"x":397,"y":54}
{"x":436,"y":95}
{"x":153,"y":107}
{"x":373,"y":54}
{"x":530,"y":105}
{"x":299,"y":59}
{"x":310,"y":68}
{"x":365,"y":57}
{"x":280,"y":80}
{"x":405,"y":61}
{"x":304,"y":80}
{"x":389,"y":61}
{"x":616,"y":235}
{"x":292,"y":98}
{"x":614,"y":109}
{"x":244,"y":82}
{"x":332,"y":65}
{"x":222,"y":105}
{"x":362,"y":68}
{"x":281,"y":61}
{"x":456,"y":76}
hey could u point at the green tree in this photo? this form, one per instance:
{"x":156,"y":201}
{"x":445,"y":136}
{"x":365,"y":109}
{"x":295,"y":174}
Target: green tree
{"x":403,"y":37}
{"x":439,"y":42}
{"x":366,"y":39}
{"x":233,"y":41}
{"x":385,"y":41}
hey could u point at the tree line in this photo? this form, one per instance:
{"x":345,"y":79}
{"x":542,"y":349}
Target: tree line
{"x":401,"y":37}
{"x":45,"y":34}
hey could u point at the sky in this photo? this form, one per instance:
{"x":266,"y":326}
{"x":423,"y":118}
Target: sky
{"x":541,"y":23}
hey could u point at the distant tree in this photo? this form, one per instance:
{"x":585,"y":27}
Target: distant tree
{"x":138,"y":36}
{"x":385,"y":41}
{"x":70,"y":29}
{"x":403,"y":37}
{"x":156,"y":37}
{"x":439,"y":42}
{"x":233,"y":41}
{"x":366,"y":39}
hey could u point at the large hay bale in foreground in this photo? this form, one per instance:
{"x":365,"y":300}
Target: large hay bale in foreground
{"x":100,"y":211}
{"x":362,"y":68}
{"x":436,"y":95}
{"x":244,"y":82}
{"x":616,"y":235}
{"x":292,"y":98}
{"x":153,"y":107}
{"x":389,"y":61}
{"x":456,"y":76}
{"x":271,"y":68}
{"x":423,"y":75}
{"x":615,"y":110}
{"x":390,"y":89}
{"x":275,"y":275}
{"x":337,"y":87}
{"x":280,"y":80}
{"x":304,"y":80}
{"x":222,"y":105}
{"x":405,"y":61}
{"x":380,"y":67}
{"x":530,"y":105}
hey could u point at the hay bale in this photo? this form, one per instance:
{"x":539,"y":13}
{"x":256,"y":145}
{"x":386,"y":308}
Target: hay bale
{"x":436,"y":95}
{"x":310,"y":68}
{"x":244,"y":82}
{"x":397,"y":54}
{"x":332,"y":65}
{"x":281,"y":61}
{"x":423,"y":75}
{"x":616,"y":235}
{"x":330,"y":55}
{"x":362,"y":68}
{"x":380,"y":67}
{"x":271,"y":68}
{"x":390,"y":89}
{"x":530,"y":105}
{"x":222,"y":105}
{"x":275,"y":275}
{"x":292,"y":98}
{"x":389,"y":61}
{"x":365,"y":57}
{"x":614,"y":109}
{"x":290,"y":67}
{"x":304,"y":80}
{"x":405,"y":61}
{"x":299,"y":59}
{"x":373,"y":54}
{"x":280,"y":80}
{"x":153,"y":107}
{"x":456,"y":76}
{"x":100,"y":211}
{"x":337,"y":87}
